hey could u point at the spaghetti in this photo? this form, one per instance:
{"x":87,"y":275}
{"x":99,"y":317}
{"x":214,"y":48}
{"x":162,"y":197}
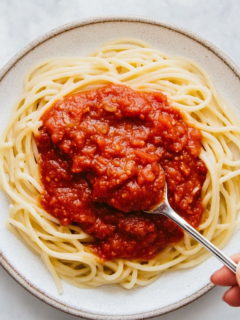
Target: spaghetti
{"x":132,"y":63}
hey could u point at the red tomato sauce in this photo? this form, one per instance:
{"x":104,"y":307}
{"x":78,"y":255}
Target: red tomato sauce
{"x":102,"y":155}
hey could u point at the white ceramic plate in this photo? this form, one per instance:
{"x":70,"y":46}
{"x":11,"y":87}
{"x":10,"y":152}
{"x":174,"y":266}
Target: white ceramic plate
{"x":172,"y":290}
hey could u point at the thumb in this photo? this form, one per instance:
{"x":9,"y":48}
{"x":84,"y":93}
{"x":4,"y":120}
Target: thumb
{"x":238,"y":274}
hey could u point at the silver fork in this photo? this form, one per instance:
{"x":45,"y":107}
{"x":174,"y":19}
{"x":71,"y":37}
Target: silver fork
{"x":165,"y":209}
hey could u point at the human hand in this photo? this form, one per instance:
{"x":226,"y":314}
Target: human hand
{"x":225,"y":277}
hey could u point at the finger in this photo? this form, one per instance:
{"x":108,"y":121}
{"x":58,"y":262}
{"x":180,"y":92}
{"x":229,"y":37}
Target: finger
{"x":236,"y":257}
{"x":225,"y":277}
{"x":238,"y":274}
{"x":232,"y":297}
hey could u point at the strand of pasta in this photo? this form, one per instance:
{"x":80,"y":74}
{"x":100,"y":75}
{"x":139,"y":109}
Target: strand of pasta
{"x":133,"y":63}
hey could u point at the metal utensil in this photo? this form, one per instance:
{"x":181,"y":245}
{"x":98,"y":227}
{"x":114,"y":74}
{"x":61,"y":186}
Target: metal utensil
{"x":165,"y":209}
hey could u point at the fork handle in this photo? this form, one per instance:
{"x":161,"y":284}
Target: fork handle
{"x":170,"y":213}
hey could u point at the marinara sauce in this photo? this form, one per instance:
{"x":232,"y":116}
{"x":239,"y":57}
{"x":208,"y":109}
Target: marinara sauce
{"x":102,"y":155}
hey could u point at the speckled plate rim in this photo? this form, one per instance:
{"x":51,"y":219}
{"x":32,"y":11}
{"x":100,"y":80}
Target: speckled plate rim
{"x":51,"y":34}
